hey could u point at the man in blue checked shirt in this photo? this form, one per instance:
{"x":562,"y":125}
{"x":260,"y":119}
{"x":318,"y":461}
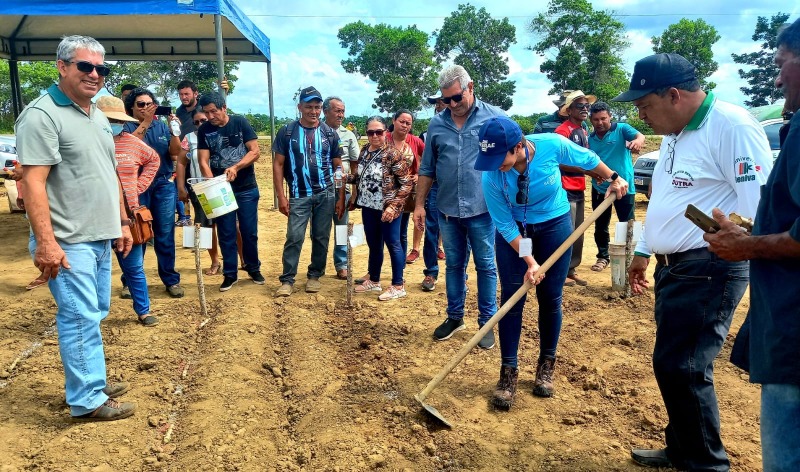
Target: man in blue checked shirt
{"x":306,"y":154}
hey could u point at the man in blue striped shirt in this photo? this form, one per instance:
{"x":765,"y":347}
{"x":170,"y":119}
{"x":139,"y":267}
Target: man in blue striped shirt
{"x":306,"y":155}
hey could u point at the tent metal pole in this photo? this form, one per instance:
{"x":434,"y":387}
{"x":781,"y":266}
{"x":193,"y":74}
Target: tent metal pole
{"x":16,"y":99}
{"x":220,"y":50}
{"x":271,"y":125}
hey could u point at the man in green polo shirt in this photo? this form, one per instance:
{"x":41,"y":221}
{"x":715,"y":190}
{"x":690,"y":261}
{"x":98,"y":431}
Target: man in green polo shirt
{"x":66,"y":147}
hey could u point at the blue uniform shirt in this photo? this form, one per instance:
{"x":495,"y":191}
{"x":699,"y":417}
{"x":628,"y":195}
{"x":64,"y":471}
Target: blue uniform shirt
{"x":449,"y":158}
{"x":547,"y":199}
{"x":612,"y":151}
{"x":157,"y":137}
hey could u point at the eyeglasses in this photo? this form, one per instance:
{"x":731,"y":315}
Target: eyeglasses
{"x":522,"y":183}
{"x":456,"y":98}
{"x":87,"y":67}
{"x":199,"y":122}
{"x":670,"y":155}
{"x":143,"y":104}
{"x":375,"y":132}
{"x":581,"y":106}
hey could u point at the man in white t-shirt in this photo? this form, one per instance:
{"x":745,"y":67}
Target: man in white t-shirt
{"x":713,"y":154}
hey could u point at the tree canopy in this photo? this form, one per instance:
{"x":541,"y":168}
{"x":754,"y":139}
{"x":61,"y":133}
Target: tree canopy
{"x":584,"y":46}
{"x":34,"y":78}
{"x":761,"y":77}
{"x":396,"y":58}
{"x":479,"y":43}
{"x":692,"y":39}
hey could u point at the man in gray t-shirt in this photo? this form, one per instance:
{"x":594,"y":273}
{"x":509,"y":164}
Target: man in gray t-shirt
{"x":73,"y":200}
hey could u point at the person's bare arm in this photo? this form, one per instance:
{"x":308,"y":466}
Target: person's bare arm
{"x":124,"y":243}
{"x":424,"y":184}
{"x":49,"y":257}
{"x":253,"y":153}
{"x":180,"y":176}
{"x":732,"y":243}
{"x":203,"y":157}
{"x":277,"y":183}
{"x":637,"y":143}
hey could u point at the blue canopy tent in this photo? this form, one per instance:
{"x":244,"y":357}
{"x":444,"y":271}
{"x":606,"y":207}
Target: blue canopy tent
{"x":179,"y":30}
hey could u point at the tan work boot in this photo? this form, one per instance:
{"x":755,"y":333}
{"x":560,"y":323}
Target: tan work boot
{"x":543,"y":386}
{"x":285,"y":290}
{"x":506,"y":387}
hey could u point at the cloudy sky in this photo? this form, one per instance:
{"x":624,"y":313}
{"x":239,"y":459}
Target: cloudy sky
{"x":305,"y":50}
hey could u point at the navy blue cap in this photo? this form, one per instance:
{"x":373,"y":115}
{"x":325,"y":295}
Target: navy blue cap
{"x":310,"y":93}
{"x":657,"y":71}
{"x":497,"y":136}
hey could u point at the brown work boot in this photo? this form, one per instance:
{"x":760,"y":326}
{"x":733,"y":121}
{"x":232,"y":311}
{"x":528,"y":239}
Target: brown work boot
{"x":543,"y":386}
{"x":506,"y":387}
{"x":111,"y":410}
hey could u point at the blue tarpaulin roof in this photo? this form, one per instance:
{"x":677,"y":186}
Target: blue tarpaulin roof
{"x":30,"y":30}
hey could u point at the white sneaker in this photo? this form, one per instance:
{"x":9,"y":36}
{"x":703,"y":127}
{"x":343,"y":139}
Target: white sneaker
{"x":392,"y":293}
{"x":368,"y":286}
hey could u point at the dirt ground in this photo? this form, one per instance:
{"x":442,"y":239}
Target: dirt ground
{"x":304,"y":383}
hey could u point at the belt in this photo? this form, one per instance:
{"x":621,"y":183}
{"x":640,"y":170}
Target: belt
{"x":690,"y":255}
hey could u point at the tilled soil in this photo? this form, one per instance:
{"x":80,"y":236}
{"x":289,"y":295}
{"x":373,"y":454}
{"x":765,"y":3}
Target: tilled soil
{"x":306,"y":383}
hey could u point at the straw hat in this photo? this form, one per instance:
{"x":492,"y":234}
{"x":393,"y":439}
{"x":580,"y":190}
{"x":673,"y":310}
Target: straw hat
{"x":562,"y":98}
{"x":113,"y":108}
{"x":572,"y":97}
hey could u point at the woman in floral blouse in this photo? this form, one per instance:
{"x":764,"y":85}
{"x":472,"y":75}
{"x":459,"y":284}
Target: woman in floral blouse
{"x":383,"y":182}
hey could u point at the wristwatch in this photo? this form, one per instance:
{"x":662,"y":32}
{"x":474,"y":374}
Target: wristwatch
{"x":613,"y":177}
{"x":125,"y":222}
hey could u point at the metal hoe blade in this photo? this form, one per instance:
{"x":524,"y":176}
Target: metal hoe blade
{"x":433,"y":412}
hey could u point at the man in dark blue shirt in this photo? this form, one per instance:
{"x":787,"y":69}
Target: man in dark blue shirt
{"x":773,"y":337}
{"x":306,"y":155}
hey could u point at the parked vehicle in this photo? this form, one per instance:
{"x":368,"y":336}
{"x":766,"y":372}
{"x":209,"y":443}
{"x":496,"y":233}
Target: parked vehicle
{"x":8,"y":157}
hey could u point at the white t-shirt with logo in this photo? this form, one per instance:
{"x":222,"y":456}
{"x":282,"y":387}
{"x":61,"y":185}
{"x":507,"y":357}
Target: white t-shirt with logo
{"x":720,"y":160}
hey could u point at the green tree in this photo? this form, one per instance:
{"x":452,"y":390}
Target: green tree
{"x":397,"y":59}
{"x":478,"y":42}
{"x":34,"y":77}
{"x":692,"y":39}
{"x":585,"y":48}
{"x":163,"y":76}
{"x":761,"y":77}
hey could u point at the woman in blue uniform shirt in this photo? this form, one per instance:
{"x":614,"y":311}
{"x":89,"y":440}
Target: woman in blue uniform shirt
{"x":523,"y":192}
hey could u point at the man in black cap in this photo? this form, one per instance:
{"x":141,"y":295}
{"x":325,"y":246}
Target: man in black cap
{"x":549,"y":123}
{"x":713,"y":155}
{"x":306,"y":155}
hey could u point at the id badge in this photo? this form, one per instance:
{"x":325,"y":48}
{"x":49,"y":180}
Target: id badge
{"x":525,"y":247}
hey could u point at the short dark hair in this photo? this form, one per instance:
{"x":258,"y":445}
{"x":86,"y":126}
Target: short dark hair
{"x":377,"y":118}
{"x":186,"y":83}
{"x":137,"y":92}
{"x":402,"y":111}
{"x":211,"y":97}
{"x":689,"y":86}
{"x":598,"y":107}
{"x":789,"y":37}
{"x":127,"y":87}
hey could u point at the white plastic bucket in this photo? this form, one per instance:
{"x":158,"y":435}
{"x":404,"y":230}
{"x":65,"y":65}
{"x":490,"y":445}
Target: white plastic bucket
{"x":616,"y":253}
{"x":215,"y":195}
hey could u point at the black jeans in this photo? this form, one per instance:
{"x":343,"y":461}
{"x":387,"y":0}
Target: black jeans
{"x":695,"y":301}
{"x":624,"y":208}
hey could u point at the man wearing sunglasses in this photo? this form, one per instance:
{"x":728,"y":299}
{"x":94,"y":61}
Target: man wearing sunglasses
{"x":713,"y":155}
{"x":451,"y":148}
{"x":74,"y":204}
{"x":576,"y":109}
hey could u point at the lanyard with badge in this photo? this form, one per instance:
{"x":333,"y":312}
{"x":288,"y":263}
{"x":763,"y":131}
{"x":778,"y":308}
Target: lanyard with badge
{"x":525,"y":244}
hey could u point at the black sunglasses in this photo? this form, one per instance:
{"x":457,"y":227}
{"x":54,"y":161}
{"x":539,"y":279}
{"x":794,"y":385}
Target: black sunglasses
{"x":375,"y":132}
{"x":199,"y":122}
{"x":581,"y":106}
{"x":143,"y":104}
{"x":87,"y":68}
{"x":456,"y":98}
{"x":522,"y":183}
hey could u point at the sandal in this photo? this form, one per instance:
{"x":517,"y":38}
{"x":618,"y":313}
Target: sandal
{"x":213,"y":270}
{"x":600,"y":265}
{"x":35,"y":284}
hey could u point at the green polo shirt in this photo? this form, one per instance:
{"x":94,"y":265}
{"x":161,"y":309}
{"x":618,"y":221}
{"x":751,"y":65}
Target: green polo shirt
{"x":82,"y":187}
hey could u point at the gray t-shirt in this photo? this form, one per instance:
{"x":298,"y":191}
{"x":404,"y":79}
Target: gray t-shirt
{"x":82,"y":187}
{"x":349,"y":146}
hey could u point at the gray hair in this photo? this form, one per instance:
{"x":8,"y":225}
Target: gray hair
{"x":326,"y":104}
{"x":70,"y":44}
{"x":377,"y":118}
{"x":454,"y":73}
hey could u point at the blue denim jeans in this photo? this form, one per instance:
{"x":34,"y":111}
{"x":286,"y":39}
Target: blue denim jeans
{"x":318,"y":209}
{"x":340,"y":250}
{"x":546,"y":238}
{"x":780,"y":427}
{"x":379,"y":233}
{"x":83,"y":296}
{"x":160,"y":199}
{"x":430,"y":247}
{"x":458,"y":236}
{"x":624,"y":208}
{"x":694,"y":305}
{"x":133,"y":271}
{"x":247,"y":216}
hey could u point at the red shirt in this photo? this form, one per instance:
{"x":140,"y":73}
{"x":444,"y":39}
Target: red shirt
{"x":573,"y":180}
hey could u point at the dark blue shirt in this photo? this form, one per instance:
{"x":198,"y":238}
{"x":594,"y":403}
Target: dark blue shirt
{"x":309,"y":153}
{"x":774,"y":298}
{"x":157,"y":137}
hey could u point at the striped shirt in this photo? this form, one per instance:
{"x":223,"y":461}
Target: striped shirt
{"x":137,"y":164}
{"x":309,"y":154}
